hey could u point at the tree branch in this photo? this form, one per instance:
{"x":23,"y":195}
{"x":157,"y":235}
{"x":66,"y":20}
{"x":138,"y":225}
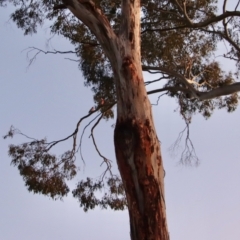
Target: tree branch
{"x":215,"y":19}
{"x":170,"y":89}
{"x":87,"y":12}
{"x":59,"y":7}
{"x":224,"y":36}
{"x":105,"y":160}
{"x":217,"y":92}
{"x":154,"y":81}
{"x":205,"y":23}
{"x":80,"y":143}
{"x":74,"y":134}
{"x":32,"y":59}
{"x":189,"y":87}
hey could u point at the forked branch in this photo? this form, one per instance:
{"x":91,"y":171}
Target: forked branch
{"x":105,"y":160}
{"x":189,"y":86}
{"x":42,"y":171}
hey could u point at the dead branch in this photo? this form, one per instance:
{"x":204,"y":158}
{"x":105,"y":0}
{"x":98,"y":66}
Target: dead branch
{"x":188,"y":155}
{"x":12,"y":131}
{"x":74,"y":134}
{"x":169,"y":89}
{"x":156,"y":80}
{"x":38,"y":51}
{"x":59,"y":7}
{"x":105,"y":160}
{"x":80,"y":143}
{"x":156,"y":104}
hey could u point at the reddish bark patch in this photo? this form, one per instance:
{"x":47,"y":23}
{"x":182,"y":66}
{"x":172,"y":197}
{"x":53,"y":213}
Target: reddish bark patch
{"x":129,"y":71}
{"x":138,"y":138}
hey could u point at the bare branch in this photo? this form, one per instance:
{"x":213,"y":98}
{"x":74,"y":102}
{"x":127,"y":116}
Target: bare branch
{"x":105,"y":160}
{"x":156,"y":80}
{"x":224,"y":36}
{"x":188,"y":155}
{"x":174,"y":74}
{"x":185,"y":12}
{"x":74,"y":134}
{"x":214,"y":19}
{"x":59,"y":7}
{"x":155,"y":104}
{"x":80,"y":143}
{"x":73,"y":60}
{"x":47,"y":52}
{"x":170,"y":89}
{"x":38,"y":51}
{"x":12,"y":131}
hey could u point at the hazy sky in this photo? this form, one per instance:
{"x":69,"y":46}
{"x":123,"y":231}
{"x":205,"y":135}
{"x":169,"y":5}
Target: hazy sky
{"x":48,"y":98}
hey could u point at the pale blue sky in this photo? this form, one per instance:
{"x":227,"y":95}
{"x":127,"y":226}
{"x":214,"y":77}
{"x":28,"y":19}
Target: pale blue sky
{"x":47,"y":99}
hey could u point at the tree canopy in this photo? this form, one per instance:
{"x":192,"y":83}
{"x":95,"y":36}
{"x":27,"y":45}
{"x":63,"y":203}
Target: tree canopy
{"x":179,"y":47}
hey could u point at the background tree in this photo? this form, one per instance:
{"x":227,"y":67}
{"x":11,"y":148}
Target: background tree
{"x":181,"y":78}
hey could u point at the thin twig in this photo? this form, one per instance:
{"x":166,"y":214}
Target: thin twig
{"x":156,"y":104}
{"x":74,"y":134}
{"x":80,"y":143}
{"x":105,"y":160}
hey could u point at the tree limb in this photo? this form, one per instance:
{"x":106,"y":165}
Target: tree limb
{"x":205,"y":23}
{"x":217,"y":92}
{"x":80,"y":143}
{"x":170,"y":89}
{"x":220,"y":91}
{"x":87,"y":12}
{"x":59,"y":7}
{"x":189,"y":87}
{"x":105,"y":160}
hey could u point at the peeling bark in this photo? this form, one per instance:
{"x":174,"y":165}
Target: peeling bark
{"x":140,"y":164}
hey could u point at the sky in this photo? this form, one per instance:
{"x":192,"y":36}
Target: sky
{"x":49,"y":97}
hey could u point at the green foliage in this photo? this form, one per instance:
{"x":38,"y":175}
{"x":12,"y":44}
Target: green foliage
{"x":114,"y":196}
{"x":43,"y":172}
{"x":209,"y":76}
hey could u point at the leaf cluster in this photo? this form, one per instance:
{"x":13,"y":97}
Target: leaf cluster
{"x":208,"y":76}
{"x":46,"y":174}
{"x":114,"y":196}
{"x":43,"y":172}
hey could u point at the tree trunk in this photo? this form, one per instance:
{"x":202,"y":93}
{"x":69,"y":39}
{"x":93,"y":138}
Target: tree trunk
{"x":140,"y":164}
{"x":136,"y":144}
{"x":138,"y":152}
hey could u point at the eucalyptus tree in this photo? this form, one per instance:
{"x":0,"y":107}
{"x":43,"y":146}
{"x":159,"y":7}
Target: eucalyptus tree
{"x":115,"y":42}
